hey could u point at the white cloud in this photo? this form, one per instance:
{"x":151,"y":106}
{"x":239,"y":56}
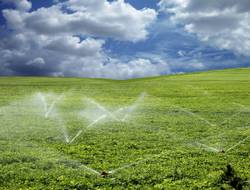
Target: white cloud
{"x":64,"y":40}
{"x":28,"y":53}
{"x":68,"y":56}
{"x":224,"y":23}
{"x":52,"y":41}
{"x":37,"y":62}
{"x":116,"y":19}
{"x":22,"y":5}
{"x":73,"y":46}
{"x":107,"y":67}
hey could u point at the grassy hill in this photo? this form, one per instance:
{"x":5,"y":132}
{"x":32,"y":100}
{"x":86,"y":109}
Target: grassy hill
{"x":187,"y":131}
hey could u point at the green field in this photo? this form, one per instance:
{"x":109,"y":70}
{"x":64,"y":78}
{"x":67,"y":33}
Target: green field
{"x":168,"y":132}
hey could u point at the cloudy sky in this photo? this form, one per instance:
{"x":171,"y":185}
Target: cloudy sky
{"x":122,"y":39}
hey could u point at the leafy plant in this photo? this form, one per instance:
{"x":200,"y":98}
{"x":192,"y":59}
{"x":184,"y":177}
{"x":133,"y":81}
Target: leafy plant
{"x":229,"y":179}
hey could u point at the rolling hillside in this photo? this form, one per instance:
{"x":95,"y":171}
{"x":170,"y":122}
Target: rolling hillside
{"x":170,"y":132}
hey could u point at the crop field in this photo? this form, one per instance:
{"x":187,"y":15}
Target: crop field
{"x":188,"y":131}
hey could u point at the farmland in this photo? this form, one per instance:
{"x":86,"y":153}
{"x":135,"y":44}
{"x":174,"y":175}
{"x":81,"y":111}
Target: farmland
{"x":170,"y":132}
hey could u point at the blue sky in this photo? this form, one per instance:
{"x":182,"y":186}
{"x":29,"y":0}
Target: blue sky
{"x":122,"y":39}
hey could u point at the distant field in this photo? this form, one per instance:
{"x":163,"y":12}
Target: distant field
{"x":169,"y":132}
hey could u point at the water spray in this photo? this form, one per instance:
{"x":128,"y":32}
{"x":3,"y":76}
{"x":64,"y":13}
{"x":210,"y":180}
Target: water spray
{"x":195,"y":115}
{"x":212,"y":149}
{"x":205,"y":92}
{"x":241,"y":105}
{"x":90,"y":125}
{"x":208,"y":148}
{"x":236,"y":114}
{"x":111,"y":172}
{"x":90,"y":170}
{"x":52,"y":105}
{"x":103,"y":109}
{"x":134,"y":106}
{"x":228,"y":119}
{"x":237,"y":144}
{"x":49,"y":108}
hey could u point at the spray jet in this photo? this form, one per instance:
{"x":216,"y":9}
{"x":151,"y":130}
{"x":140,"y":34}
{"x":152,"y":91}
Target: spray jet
{"x":106,"y":174}
{"x":49,"y":108}
{"x":107,"y":113}
{"x":236,"y":114}
{"x":128,"y":109}
{"x":103,"y":109}
{"x":195,"y":115}
{"x":213,"y":149}
{"x":90,"y":125}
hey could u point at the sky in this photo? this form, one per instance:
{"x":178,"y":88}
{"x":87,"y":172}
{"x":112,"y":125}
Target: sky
{"x":122,"y":39}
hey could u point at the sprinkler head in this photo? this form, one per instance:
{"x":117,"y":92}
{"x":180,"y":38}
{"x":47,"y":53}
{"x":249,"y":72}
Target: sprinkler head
{"x":104,"y":174}
{"x":222,"y":151}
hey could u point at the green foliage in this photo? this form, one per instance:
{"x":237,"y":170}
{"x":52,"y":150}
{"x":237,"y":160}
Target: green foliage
{"x":230,"y":180}
{"x":159,"y":147}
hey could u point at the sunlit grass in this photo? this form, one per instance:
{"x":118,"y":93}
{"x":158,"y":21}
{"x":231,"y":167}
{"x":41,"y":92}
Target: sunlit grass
{"x":171,"y":132}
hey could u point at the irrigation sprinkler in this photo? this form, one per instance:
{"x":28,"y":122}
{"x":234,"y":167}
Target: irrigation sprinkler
{"x":105,"y":174}
{"x":208,"y":148}
{"x":112,"y":172}
{"x":213,"y":149}
{"x":110,"y":114}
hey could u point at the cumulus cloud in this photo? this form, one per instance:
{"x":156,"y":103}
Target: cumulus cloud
{"x":83,"y":17}
{"x":22,"y":5}
{"x":115,"y":68}
{"x":68,"y":38}
{"x":74,"y":46}
{"x":37,"y":61}
{"x":224,"y":23}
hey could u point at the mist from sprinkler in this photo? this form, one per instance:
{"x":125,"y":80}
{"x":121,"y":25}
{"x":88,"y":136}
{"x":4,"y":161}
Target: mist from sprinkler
{"x":65,"y":134}
{"x":208,"y":148}
{"x":90,"y":125}
{"x":241,"y":105}
{"x":108,"y":173}
{"x":127,"y":109}
{"x":195,"y":115}
{"x":90,"y":169}
{"x":229,"y":118}
{"x":205,"y":92}
{"x":102,"y":108}
{"x":152,"y":157}
{"x":237,"y":144}
{"x":236,"y":114}
{"x":48,"y":108}
{"x":208,"y":122}
{"x":108,"y":114}
{"x":126,"y":166}
{"x":213,"y":149}
{"x":133,"y":106}
{"x":49,"y":102}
